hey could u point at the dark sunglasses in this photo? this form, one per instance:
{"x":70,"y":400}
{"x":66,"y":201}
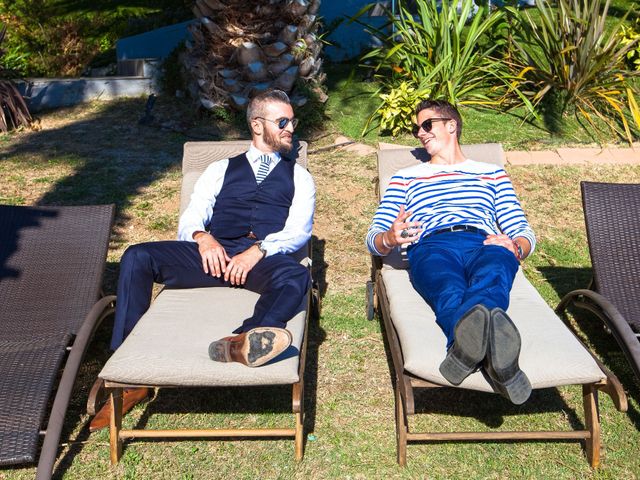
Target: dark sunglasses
{"x":427,"y":125}
{"x":282,"y":122}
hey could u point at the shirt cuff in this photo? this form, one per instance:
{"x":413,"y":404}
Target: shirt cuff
{"x":371,"y":242}
{"x":186,"y":233}
{"x":271,"y":247}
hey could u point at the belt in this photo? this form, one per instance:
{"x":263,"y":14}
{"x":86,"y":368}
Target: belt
{"x":458,"y":228}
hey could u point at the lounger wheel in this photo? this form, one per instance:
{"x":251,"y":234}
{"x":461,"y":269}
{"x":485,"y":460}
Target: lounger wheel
{"x":371,"y":300}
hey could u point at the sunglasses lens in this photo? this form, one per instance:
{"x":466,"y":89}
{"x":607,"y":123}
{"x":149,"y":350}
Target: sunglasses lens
{"x":283,"y":122}
{"x":426,"y":126}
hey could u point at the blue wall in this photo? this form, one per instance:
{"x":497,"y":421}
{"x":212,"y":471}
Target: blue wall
{"x":157,"y":43}
{"x":348,"y":40}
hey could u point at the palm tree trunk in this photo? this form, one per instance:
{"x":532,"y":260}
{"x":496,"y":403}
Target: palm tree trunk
{"x":243,"y":47}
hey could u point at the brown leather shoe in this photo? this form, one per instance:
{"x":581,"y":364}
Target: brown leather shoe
{"x":253,"y":348}
{"x":130,"y":398}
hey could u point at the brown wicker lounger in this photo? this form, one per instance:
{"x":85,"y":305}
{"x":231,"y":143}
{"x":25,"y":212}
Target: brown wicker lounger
{"x":551,"y":355}
{"x":612,"y":217}
{"x":51,"y":265}
{"x":168,"y":346}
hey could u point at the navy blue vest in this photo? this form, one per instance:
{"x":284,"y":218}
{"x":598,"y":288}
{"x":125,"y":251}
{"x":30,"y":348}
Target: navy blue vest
{"x":243,"y":206}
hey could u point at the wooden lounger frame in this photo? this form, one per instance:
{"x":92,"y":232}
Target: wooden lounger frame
{"x":117,"y":435}
{"x":405,"y":383}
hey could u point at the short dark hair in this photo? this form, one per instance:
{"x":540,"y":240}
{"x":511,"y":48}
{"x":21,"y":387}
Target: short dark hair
{"x":444,"y":109}
{"x":256,"y":106}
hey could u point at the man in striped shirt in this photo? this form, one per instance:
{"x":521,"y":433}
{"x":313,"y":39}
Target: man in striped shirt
{"x":466,"y":235}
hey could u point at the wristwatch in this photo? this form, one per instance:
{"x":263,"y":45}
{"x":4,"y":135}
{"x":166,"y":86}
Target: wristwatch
{"x":261,"y":248}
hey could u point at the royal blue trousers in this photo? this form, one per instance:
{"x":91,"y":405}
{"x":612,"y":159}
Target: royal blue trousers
{"x":281,"y":281}
{"x":454,"y":271}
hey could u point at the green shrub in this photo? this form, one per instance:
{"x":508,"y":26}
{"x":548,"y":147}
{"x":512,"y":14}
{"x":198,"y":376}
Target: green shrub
{"x":445,"y":54}
{"x":172,"y":78}
{"x":574,"y":65}
{"x":62,"y":38}
{"x":627,"y":35}
{"x":395,"y":113}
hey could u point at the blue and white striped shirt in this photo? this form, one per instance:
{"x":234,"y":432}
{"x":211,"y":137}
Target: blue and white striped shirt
{"x":440,"y":196}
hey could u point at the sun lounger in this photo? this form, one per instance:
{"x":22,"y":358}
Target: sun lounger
{"x":169,"y":345}
{"x":51,"y":265}
{"x":551,"y":355}
{"x":612,"y":216}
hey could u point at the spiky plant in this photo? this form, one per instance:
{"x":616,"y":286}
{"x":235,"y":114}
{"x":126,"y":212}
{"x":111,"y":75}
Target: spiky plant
{"x":13,"y":109}
{"x":574,"y":65}
{"x":447,"y":50}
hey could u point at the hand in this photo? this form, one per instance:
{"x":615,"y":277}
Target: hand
{"x":214,"y":257}
{"x":240,"y":265}
{"x":504,"y":241}
{"x":393,"y":237}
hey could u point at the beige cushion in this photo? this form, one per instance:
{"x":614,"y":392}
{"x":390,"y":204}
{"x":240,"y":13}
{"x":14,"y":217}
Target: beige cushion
{"x":550,"y":356}
{"x":390,"y":160}
{"x":169,"y":345}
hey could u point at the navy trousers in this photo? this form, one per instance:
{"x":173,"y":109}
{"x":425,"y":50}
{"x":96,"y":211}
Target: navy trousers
{"x":454,"y":271}
{"x":281,"y":281}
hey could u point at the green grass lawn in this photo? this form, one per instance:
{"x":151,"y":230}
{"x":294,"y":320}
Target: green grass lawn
{"x":98,"y":153}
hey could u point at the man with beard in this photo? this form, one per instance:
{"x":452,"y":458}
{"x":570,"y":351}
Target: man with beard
{"x":245,"y":216}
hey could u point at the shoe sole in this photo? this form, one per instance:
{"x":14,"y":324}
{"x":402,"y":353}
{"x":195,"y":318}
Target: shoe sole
{"x":261,"y":345}
{"x":469,"y":347}
{"x":504,"y":357}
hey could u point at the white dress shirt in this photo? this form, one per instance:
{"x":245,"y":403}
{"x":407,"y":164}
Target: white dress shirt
{"x":297,"y":228}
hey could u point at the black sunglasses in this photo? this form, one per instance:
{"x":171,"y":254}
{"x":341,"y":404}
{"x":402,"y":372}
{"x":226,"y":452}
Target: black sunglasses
{"x":282,"y":122}
{"x":427,"y":125}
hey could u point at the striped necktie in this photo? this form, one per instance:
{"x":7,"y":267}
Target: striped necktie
{"x":263,"y":170}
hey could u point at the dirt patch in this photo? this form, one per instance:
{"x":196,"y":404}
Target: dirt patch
{"x":345,"y":205}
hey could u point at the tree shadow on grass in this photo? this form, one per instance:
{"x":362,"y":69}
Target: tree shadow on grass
{"x":113,"y":158}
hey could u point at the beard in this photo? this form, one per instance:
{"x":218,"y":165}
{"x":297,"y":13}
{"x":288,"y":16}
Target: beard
{"x":281,"y":144}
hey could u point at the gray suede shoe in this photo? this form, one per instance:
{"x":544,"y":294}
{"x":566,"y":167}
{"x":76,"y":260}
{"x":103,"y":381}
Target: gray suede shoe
{"x":469,"y":346}
{"x":501,"y":363}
